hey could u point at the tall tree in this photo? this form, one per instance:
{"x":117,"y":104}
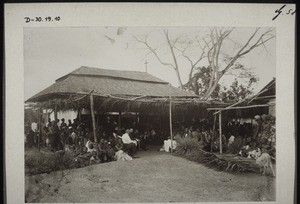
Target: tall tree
{"x":213,"y":49}
{"x":217,"y":38}
{"x":177,"y":45}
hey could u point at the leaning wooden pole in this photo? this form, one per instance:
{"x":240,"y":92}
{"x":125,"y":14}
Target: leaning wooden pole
{"x":40,"y":126}
{"x":55,"y":113}
{"x":220,"y":131}
{"x":119,"y":120}
{"x":214,"y":133}
{"x":171,"y":131}
{"x":93,"y":117}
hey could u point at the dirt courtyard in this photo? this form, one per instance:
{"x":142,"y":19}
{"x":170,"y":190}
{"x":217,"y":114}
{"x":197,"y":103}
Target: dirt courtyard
{"x":153,"y":177}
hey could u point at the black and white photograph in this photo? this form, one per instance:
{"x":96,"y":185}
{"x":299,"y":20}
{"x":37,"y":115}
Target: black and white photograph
{"x":149,"y":114}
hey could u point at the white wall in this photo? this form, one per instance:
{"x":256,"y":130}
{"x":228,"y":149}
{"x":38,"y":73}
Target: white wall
{"x":65,"y":114}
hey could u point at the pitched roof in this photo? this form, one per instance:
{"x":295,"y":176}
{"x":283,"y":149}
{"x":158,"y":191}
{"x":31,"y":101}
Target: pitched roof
{"x":269,"y":89}
{"x":117,"y":74}
{"x":110,"y":82}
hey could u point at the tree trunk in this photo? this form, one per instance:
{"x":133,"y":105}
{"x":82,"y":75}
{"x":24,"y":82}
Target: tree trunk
{"x":178,"y":77}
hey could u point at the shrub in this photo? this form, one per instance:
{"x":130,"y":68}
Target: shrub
{"x":46,"y":163}
{"x":41,"y":164}
{"x":187,"y":146}
{"x":191,"y":149}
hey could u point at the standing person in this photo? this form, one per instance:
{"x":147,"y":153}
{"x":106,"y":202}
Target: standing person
{"x":48,"y":123}
{"x":75,"y":124}
{"x":58,"y":123}
{"x":256,"y":127}
{"x":29,"y":135}
{"x":153,"y":135}
{"x":63,"y":125}
{"x":55,"y":141}
{"x":88,"y":135}
{"x":34,"y":128}
{"x":74,"y":135}
{"x":49,"y":135}
{"x":69,"y":123}
{"x":108,"y":126}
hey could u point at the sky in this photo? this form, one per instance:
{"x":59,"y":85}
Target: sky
{"x":50,"y":53}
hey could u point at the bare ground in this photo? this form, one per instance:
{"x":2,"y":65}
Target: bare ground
{"x":153,"y":177}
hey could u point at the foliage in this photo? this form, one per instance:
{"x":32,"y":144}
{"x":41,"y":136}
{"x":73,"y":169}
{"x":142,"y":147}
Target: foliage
{"x":46,"y":163}
{"x":199,"y":83}
{"x":187,"y":146}
{"x":190,"y":148}
{"x":237,"y":91}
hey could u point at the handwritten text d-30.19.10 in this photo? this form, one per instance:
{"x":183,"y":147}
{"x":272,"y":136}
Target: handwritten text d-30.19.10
{"x":41,"y":19}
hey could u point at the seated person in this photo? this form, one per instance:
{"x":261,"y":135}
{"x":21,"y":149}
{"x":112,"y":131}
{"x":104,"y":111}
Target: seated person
{"x":230,"y":140}
{"x":122,"y":156}
{"x":90,"y":146}
{"x":244,"y":151}
{"x":254,"y":153}
{"x":110,"y":153}
{"x":168,"y":145}
{"x":83,"y":157}
{"x":94,"y":158}
{"x":106,"y":152}
{"x":143,"y":142}
{"x":129,"y":145}
{"x":119,"y":145}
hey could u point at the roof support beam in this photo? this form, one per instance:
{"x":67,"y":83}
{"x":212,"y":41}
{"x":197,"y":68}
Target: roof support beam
{"x":238,"y":107}
{"x":93,"y":117}
{"x":170,"y":116}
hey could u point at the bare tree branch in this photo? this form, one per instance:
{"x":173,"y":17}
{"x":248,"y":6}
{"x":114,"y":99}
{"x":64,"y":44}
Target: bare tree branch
{"x":174,"y":58}
{"x":218,"y":36}
{"x":242,"y":51}
{"x":152,"y":50}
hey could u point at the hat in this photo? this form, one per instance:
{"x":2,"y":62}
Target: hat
{"x":91,"y":146}
{"x":257,"y":117}
{"x":264,"y":116}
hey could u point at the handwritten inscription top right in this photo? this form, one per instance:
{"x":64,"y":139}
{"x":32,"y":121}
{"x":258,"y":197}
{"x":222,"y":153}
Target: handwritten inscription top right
{"x":283,"y":11}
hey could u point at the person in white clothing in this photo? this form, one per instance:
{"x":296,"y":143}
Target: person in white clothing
{"x":90,"y":146}
{"x":168,"y":145}
{"x":126,"y":139}
{"x":34,"y":126}
{"x":128,"y":144}
{"x":230,"y":140}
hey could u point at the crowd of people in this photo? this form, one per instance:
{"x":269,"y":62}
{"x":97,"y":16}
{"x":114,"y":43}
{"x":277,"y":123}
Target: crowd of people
{"x":243,"y":138}
{"x":112,"y":142}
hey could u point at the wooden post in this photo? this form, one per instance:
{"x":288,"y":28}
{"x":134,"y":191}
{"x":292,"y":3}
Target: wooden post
{"x":160,"y":124}
{"x":220,"y":131}
{"x":119,"y":119}
{"x":40,"y":126}
{"x":55,"y":113}
{"x":79,"y":115}
{"x":93,"y":117}
{"x":171,"y":132}
{"x":214,"y":133}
